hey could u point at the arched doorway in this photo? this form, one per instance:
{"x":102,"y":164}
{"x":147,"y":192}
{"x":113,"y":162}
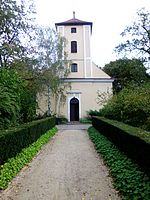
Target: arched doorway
{"x":74,"y":109}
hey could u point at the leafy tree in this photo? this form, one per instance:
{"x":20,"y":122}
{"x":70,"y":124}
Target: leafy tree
{"x":26,"y":68}
{"x":11,"y":92}
{"x":15,"y":27}
{"x":18,"y":88}
{"x":137,"y":36}
{"x":125,"y":72}
{"x":16,"y":30}
{"x":53,"y":63}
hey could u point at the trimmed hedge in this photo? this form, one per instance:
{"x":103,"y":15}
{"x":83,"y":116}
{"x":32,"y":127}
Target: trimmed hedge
{"x":129,"y":179}
{"x":14,"y":140}
{"x":86,"y":121}
{"x":10,"y":169}
{"x":134,"y":142}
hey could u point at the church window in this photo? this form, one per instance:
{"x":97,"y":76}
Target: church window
{"x":73,"y":46}
{"x":73,"y":30}
{"x":74,"y":67}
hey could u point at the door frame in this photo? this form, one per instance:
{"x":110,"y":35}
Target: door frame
{"x":69,"y":99}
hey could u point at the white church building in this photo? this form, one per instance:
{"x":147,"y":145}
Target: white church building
{"x":85,"y":77}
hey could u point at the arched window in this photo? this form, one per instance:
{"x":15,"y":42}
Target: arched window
{"x":74,"y":67}
{"x":73,"y":46}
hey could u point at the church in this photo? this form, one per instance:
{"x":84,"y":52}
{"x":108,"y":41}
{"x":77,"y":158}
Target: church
{"x":85,"y":78}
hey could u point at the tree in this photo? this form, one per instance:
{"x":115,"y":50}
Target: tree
{"x":15,"y":27}
{"x":26,"y":69}
{"x":137,"y":36}
{"x":11,"y":93}
{"x":53,"y":64}
{"x":125,"y":72}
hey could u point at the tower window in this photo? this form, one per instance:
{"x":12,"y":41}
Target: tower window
{"x":74,"y":67}
{"x":74,"y":47}
{"x":73,"y":30}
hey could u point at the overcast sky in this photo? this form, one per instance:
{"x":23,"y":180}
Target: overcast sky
{"x":109,"y":17}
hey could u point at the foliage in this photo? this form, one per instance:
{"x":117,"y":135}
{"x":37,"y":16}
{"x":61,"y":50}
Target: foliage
{"x":11,"y":90}
{"x":131,"y":182}
{"x":137,"y":36}
{"x":94,"y":113}
{"x":27,"y":70}
{"x":61,"y":120}
{"x":16,"y":25}
{"x":18,"y":97}
{"x":16,"y":36}
{"x":14,"y":140}
{"x":10,"y":169}
{"x":134,"y":142}
{"x":131,"y":106}
{"x":85,"y":121}
{"x":125,"y":72}
{"x":28,"y":105}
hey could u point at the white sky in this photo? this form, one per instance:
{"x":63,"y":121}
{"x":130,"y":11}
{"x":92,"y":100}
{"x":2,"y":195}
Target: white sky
{"x":109,"y":17}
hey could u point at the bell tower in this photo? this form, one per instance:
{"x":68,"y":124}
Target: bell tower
{"x":78,"y":35}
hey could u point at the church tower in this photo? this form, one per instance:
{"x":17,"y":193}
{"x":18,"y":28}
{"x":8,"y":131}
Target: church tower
{"x":78,"y":35}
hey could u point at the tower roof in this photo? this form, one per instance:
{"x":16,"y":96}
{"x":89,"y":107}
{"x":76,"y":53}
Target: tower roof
{"x":73,"y":21}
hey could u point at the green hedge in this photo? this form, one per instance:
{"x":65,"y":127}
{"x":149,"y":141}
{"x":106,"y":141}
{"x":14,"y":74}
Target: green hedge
{"x":10,"y":169}
{"x":134,"y":142}
{"x":14,"y":140}
{"x":129,"y":179}
{"x":85,"y":121}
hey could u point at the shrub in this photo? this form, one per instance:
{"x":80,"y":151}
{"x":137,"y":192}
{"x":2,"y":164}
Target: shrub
{"x":28,"y":104}
{"x":18,"y":99}
{"x":135,"y":142}
{"x":10,"y":169}
{"x":131,"y":106}
{"x":61,"y":120}
{"x":11,"y":89}
{"x":86,"y":121}
{"x":131,"y":182}
{"x":14,"y":140}
{"x":93,"y":113}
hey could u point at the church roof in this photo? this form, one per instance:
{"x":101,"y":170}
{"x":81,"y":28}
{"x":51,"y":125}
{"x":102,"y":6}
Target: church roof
{"x":73,"y":21}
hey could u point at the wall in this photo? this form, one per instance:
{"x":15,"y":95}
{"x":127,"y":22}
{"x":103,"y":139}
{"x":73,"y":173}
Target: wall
{"x":87,"y":95}
{"x":83,"y":55}
{"x":86,"y":92}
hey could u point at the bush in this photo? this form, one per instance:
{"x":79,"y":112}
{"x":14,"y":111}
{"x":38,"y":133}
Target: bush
{"x":61,"y":120}
{"x":86,"y":121}
{"x":131,"y":182}
{"x":18,"y":99}
{"x":134,"y":142}
{"x":14,"y":140}
{"x":10,"y":169}
{"x":131,"y":106}
{"x":28,"y":104}
{"x":11,"y":89}
{"x":94,"y":113}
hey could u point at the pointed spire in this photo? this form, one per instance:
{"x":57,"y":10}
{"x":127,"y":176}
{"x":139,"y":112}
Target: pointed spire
{"x":73,"y":14}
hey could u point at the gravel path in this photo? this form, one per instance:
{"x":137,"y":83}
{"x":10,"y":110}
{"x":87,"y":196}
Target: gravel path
{"x":67,"y":168}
